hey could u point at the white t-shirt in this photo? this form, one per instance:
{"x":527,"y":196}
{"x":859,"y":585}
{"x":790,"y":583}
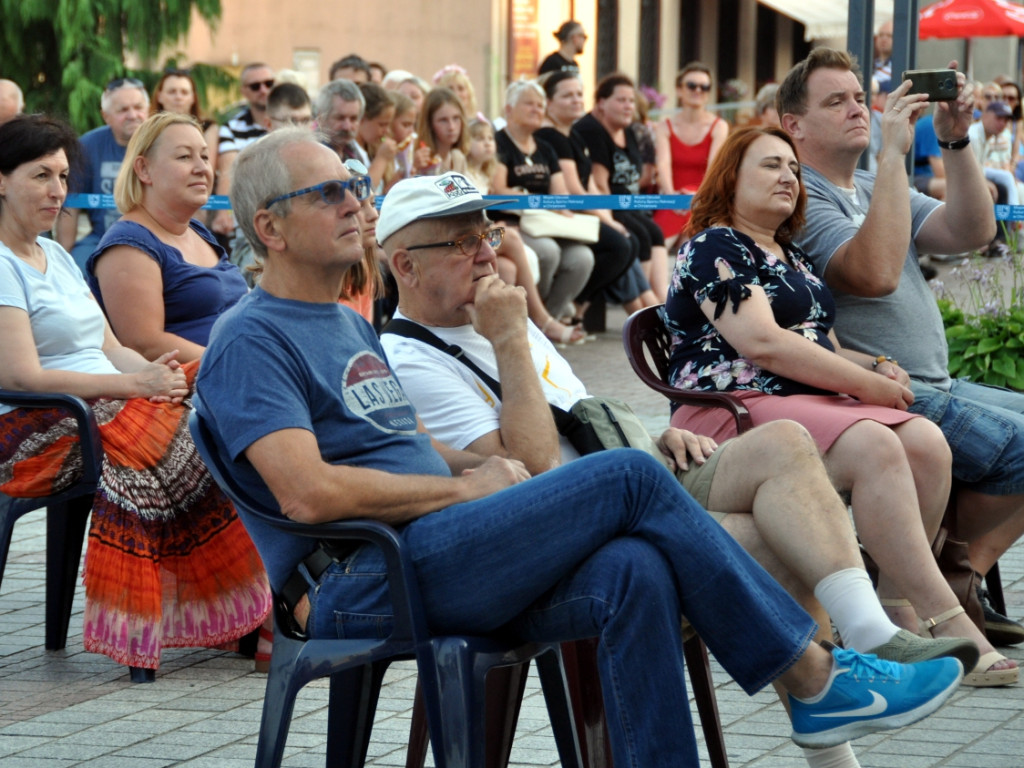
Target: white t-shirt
{"x":67,"y":323}
{"x":451,"y":401}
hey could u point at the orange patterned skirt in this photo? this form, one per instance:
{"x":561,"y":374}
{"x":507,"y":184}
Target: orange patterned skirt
{"x":168,"y":563}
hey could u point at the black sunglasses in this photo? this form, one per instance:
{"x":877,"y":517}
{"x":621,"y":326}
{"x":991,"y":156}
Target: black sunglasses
{"x":178,"y":72}
{"x":124,"y":82}
{"x":698,"y":86}
{"x":268,"y":84}
{"x":469,"y":244}
{"x":331,"y":192}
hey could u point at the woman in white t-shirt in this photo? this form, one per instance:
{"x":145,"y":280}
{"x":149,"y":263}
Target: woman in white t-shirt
{"x":168,"y":563}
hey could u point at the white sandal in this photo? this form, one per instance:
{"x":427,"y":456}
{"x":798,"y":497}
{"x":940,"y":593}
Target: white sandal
{"x":982,"y":676}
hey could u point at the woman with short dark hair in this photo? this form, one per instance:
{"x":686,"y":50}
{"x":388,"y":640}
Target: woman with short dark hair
{"x":168,"y":562}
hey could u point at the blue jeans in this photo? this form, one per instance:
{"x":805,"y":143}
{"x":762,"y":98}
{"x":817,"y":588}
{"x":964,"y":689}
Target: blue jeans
{"x":984,"y":427}
{"x":608,"y":546}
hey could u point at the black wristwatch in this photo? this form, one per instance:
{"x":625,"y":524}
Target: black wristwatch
{"x":955,"y":143}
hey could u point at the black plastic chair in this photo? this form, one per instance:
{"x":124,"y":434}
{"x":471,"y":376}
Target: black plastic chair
{"x":67,"y":513}
{"x":451,"y":669}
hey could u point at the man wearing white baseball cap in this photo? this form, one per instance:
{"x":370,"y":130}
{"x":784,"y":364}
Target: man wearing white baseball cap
{"x":610,"y":546}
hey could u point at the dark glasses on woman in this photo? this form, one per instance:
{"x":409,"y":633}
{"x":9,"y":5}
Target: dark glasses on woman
{"x":705,"y":87}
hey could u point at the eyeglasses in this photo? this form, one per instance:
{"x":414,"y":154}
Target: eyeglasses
{"x":469,"y":244}
{"x":356,"y":167}
{"x":331,"y":192}
{"x":991,"y":96}
{"x":706,"y":87}
{"x":268,"y":84}
{"x":124,"y":82}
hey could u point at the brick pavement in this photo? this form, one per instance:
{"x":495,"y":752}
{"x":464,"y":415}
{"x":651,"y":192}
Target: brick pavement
{"x":69,"y":708}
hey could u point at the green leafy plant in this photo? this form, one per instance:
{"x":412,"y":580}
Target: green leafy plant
{"x":983,"y":315}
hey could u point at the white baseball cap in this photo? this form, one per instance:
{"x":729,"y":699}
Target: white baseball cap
{"x":428,"y":197}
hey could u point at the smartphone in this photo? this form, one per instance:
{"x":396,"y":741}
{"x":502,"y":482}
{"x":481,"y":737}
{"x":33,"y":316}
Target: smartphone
{"x":939,"y":84}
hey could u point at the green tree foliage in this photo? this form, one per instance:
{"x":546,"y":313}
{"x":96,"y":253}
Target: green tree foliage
{"x":63,"y":52}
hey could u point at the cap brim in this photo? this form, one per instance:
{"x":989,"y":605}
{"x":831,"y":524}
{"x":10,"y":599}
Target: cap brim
{"x":470,"y":206}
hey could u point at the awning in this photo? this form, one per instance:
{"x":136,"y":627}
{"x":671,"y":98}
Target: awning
{"x":825,"y":18}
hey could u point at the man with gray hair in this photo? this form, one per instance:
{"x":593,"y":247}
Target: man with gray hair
{"x":124,"y":106}
{"x":610,"y":546}
{"x":12,"y":101}
{"x":339,"y":108}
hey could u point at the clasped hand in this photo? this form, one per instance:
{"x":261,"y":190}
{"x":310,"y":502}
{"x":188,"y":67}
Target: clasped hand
{"x":163,"y":380}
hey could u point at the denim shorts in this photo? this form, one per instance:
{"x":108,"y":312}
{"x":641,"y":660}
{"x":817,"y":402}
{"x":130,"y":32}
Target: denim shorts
{"x":984,"y":427}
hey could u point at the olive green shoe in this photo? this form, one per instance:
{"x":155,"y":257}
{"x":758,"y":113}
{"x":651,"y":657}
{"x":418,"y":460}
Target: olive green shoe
{"x":907,"y":648}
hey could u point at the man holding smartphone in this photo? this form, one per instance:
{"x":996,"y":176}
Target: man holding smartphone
{"x":864,"y":233}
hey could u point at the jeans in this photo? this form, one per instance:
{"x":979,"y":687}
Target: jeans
{"x":608,"y":546}
{"x":984,"y":427}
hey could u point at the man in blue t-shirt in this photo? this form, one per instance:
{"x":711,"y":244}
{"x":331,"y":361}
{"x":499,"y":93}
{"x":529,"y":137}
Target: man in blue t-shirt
{"x":302,"y":402}
{"x":124,"y":106}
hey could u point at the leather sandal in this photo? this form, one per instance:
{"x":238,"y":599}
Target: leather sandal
{"x":982,"y":676}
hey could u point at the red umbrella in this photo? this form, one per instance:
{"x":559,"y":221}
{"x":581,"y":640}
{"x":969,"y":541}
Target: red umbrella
{"x":971,"y":18}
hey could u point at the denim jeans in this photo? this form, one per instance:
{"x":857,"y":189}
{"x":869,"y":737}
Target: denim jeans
{"x":984,"y":427}
{"x":608,"y":546}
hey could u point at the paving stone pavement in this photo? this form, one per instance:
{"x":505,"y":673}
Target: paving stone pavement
{"x":70,"y":708}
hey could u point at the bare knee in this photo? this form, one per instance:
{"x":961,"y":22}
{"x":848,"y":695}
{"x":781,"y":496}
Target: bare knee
{"x":925,"y":445}
{"x":783,"y":442}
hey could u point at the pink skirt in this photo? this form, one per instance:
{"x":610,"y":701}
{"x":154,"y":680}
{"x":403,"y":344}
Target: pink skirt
{"x":826,"y":417}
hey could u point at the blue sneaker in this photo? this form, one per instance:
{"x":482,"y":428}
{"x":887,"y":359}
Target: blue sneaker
{"x":866,"y":694}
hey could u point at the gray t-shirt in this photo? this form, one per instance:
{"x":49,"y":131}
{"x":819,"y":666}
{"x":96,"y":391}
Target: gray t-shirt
{"x":906,"y":324}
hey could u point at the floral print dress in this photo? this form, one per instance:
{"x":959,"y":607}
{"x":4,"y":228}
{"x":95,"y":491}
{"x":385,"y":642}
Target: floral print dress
{"x":701,"y":358}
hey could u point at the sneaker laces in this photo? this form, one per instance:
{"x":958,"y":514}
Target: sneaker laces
{"x":866,"y":666}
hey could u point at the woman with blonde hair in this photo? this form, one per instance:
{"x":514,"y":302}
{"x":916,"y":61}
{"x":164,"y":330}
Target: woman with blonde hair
{"x":442,"y":138}
{"x":168,"y":563}
{"x":454,"y":78}
{"x":159,"y":274}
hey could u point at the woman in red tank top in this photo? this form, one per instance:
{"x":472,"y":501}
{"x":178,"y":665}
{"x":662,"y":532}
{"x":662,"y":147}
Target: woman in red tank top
{"x":685,"y":144}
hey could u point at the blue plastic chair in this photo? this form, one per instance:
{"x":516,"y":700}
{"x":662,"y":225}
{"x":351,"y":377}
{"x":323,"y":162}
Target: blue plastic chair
{"x":67,"y":513}
{"x":451,"y":669}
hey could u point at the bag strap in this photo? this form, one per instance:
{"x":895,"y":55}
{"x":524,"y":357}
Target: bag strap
{"x":402,"y":327}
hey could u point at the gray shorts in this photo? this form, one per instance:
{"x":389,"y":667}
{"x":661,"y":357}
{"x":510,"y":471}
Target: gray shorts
{"x":698,"y":478}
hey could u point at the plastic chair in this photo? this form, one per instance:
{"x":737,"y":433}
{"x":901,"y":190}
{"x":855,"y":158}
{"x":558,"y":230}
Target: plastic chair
{"x":67,"y":513}
{"x":648,"y":346}
{"x":451,"y":669}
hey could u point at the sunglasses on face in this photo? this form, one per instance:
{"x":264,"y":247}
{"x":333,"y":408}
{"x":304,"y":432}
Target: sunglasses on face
{"x":469,"y":244}
{"x":331,"y":192}
{"x":124,"y":82}
{"x":705,"y":87}
{"x":268,"y":84}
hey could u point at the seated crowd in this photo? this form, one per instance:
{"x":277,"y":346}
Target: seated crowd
{"x":796,"y":287}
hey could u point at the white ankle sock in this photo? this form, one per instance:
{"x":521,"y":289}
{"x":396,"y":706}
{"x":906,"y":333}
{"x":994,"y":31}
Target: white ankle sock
{"x":840,"y":756}
{"x":850,"y":600}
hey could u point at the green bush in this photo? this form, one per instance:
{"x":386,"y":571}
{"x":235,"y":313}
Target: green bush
{"x":984,"y":321}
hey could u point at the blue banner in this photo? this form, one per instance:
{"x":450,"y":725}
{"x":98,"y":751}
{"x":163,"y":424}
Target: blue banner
{"x":533,"y":202}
